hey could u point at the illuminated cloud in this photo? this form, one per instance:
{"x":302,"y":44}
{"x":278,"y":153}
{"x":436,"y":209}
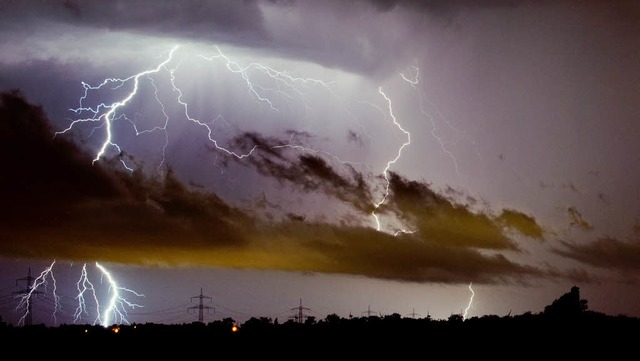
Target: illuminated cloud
{"x":60,"y":206}
{"x":365,"y":251}
{"x":439,"y":220}
{"x":307,"y":169}
{"x":521,"y":222}
{"x":434,"y":216}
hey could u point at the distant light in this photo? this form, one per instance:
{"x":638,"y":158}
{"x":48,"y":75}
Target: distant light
{"x":85,"y":330}
{"x":116,"y":329}
{"x":234,"y":328}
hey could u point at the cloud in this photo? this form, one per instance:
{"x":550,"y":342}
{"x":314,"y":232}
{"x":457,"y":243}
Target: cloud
{"x":578,"y":220}
{"x":434,"y":216}
{"x":440,"y":220}
{"x":303,"y":30}
{"x":521,"y":222}
{"x":58,"y":205}
{"x":53,"y":197}
{"x":575,"y":275}
{"x":365,"y":251}
{"x":605,"y":252}
{"x":223,"y":20}
{"x":41,"y":170}
{"x":306,"y":169}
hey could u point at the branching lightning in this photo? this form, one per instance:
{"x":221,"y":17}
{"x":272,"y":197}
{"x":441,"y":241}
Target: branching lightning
{"x":414,"y":84}
{"x":105,"y":113}
{"x":281,"y":87}
{"x":115,"y":311}
{"x":83,"y":285}
{"x":285,"y":85}
{"x":466,"y":310}
{"x":25,"y":299}
{"x":282,"y":79}
{"x":117,"y":303}
{"x":391,"y":162}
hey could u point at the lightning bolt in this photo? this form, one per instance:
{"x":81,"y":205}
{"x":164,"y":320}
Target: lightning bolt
{"x":105,"y":113}
{"x":284,"y":84}
{"x":162,"y":128}
{"x":422,"y":99}
{"x":115,"y":310}
{"x":210,"y":131}
{"x":280,"y":85}
{"x":117,"y":303}
{"x":84,"y":285}
{"x":282,"y":79}
{"x":391,"y":162}
{"x":25,"y":299}
{"x":466,"y":310}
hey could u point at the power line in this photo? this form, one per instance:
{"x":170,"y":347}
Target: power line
{"x":27,"y":292}
{"x":201,"y":306}
{"x":300,"y":316}
{"x":369,"y":312}
{"x":413,"y":314}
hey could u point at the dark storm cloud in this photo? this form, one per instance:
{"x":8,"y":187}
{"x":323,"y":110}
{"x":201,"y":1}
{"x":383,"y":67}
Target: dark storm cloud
{"x":308,"y":171}
{"x":223,"y":20}
{"x":575,"y":275}
{"x":353,"y":35}
{"x":39,"y":169}
{"x":365,"y":251}
{"x":606,"y":252}
{"x":52,"y":194}
{"x":442,"y":221}
{"x":451,"y":7}
{"x":445,"y":7}
{"x":56,"y":204}
{"x":44,"y":80}
{"x":434,"y":216}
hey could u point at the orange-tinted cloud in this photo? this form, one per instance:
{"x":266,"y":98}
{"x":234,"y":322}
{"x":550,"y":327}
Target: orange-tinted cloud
{"x":56,"y":204}
{"x":521,"y":222}
{"x":439,"y":220}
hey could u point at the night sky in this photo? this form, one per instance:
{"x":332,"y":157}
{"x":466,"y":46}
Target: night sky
{"x":367,"y":154}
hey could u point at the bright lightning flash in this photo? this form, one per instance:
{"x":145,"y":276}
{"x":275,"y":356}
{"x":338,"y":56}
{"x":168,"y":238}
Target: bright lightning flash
{"x":117,"y":303}
{"x":25,"y":299}
{"x":83,"y":286}
{"x":391,"y":162}
{"x":466,"y":310}
{"x":282,"y":86}
{"x":114,"y":312}
{"x":105,"y":113}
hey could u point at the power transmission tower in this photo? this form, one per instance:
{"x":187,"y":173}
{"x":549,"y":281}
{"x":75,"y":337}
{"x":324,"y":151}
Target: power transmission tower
{"x":369,"y":312}
{"x":201,"y":306}
{"x":27,"y":292}
{"x":413,"y":314}
{"x":299,"y":317}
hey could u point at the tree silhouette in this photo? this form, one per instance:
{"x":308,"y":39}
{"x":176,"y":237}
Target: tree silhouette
{"x":567,"y":305}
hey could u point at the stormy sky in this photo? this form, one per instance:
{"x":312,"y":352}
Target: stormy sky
{"x":367,"y":153}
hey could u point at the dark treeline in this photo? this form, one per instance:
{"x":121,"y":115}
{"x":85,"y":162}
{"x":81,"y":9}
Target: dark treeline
{"x":564,"y":326}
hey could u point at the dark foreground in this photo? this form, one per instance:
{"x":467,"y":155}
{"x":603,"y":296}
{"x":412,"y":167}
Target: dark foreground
{"x":586,"y":334}
{"x":566,"y":329}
